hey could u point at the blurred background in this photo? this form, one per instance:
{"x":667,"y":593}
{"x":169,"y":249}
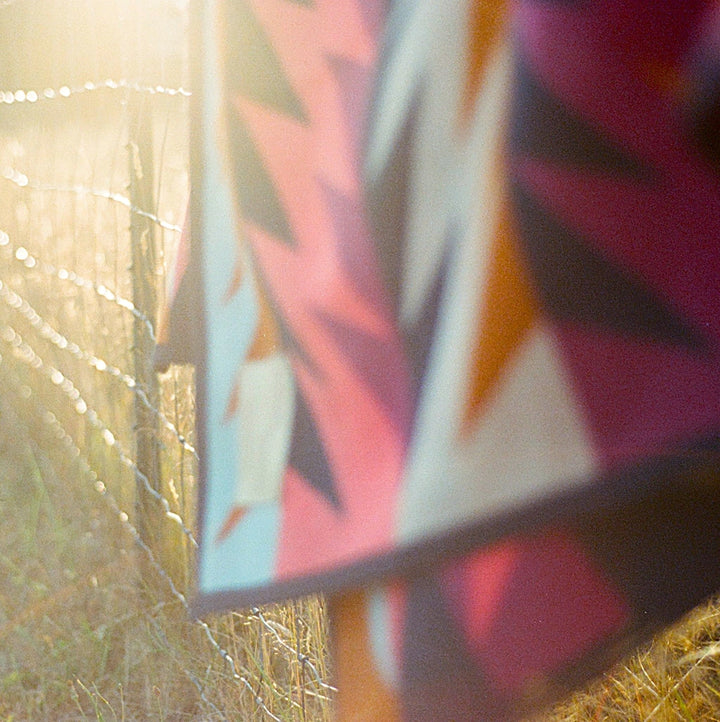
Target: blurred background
{"x":48,"y":43}
{"x":97,"y":457}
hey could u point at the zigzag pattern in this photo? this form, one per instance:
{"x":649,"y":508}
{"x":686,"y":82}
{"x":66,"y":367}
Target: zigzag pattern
{"x":297,"y":95}
{"x":503,"y":327}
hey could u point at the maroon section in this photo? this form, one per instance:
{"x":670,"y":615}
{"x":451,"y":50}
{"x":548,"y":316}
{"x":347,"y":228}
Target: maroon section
{"x":547,"y":604}
{"x":641,"y":399}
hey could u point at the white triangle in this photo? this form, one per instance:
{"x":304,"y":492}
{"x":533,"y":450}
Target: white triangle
{"x":532,"y":441}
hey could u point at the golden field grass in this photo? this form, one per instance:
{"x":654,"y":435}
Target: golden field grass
{"x":675,"y":677}
{"x":91,"y":626}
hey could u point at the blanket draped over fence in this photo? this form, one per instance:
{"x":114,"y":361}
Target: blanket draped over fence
{"x":454,"y":299}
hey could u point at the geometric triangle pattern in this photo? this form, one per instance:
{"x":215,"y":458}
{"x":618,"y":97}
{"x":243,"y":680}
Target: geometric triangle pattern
{"x":488,"y":247}
{"x":577,"y":284}
{"x":522,"y":621}
{"x":261,"y":89}
{"x":307,"y":455}
{"x":258,"y":70}
{"x":542,"y":126}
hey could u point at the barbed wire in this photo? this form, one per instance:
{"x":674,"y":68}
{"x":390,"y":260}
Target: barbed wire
{"x":24,"y":352}
{"x":188,"y":673}
{"x":74,"y":451}
{"x":63,"y":92}
{"x":30,"y":261}
{"x":252,"y":672}
{"x":22,"y":181}
{"x":302,"y":658}
{"x":17,"y":303}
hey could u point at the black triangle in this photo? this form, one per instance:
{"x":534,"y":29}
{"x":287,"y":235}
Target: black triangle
{"x":254,"y":189}
{"x":387,"y":202}
{"x":542,"y":126}
{"x":578,"y":284}
{"x":307,"y":454}
{"x":436,"y":666}
{"x":253,"y":68}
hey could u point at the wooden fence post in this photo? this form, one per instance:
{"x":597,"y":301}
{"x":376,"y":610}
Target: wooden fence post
{"x":144,"y":279}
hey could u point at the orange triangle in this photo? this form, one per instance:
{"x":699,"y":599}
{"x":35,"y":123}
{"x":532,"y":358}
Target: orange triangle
{"x":267,"y":334}
{"x":485,"y":22}
{"x":363,"y":696}
{"x":509,"y":311}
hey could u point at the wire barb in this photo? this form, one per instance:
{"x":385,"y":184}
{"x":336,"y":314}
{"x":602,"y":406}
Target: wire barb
{"x":21,"y":96}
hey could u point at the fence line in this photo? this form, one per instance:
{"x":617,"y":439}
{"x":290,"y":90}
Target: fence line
{"x":26,"y":354}
{"x":101,"y":488}
{"x":30,"y":261}
{"x":75,"y":369}
{"x":47,"y":332}
{"x":302,"y":658}
{"x":22,"y":181}
{"x":20,"y":96}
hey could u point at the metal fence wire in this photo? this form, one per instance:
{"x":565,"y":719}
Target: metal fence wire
{"x":97,"y":458}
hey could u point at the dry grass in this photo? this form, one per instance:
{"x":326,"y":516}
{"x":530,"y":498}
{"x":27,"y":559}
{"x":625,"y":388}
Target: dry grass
{"x":72,"y":603}
{"x":675,"y":678}
{"x":90,"y":628}
{"x":84,"y":636}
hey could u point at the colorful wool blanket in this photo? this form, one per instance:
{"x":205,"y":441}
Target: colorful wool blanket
{"x":453,"y":292}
